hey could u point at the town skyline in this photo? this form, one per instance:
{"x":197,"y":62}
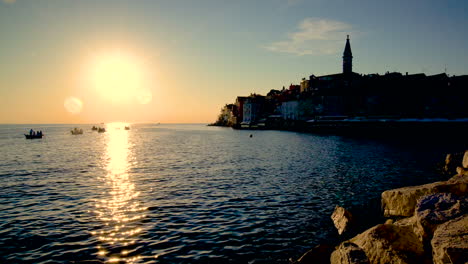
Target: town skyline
{"x":85,"y":62}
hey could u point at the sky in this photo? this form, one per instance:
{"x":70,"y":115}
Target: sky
{"x":174,"y":61}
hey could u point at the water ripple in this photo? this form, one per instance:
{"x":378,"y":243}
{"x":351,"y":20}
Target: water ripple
{"x":187,"y":193}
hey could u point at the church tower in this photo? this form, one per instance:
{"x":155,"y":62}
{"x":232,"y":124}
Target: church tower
{"x":347,"y":58}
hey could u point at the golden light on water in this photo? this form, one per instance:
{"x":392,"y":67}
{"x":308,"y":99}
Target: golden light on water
{"x":119,"y":210}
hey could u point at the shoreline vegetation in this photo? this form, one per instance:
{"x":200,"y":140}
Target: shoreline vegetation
{"x":418,"y":224}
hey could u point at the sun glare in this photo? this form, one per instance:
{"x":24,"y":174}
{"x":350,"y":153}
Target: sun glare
{"x":73,"y":105}
{"x":119,"y":79}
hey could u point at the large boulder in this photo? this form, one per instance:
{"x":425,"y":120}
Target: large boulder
{"x":402,"y":201}
{"x":342,"y":219}
{"x":436,"y":209}
{"x":450,"y":242}
{"x":348,"y":253}
{"x":390,"y":244}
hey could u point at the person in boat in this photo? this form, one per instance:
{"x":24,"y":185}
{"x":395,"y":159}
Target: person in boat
{"x":31,"y":132}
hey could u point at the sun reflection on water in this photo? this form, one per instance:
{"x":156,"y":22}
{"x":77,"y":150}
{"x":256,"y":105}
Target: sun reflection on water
{"x":119,"y":210}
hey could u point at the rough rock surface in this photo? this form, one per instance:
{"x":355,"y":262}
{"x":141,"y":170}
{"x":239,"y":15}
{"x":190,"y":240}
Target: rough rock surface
{"x":318,"y":255}
{"x":342,"y":219}
{"x":465,"y":160}
{"x":402,"y":201}
{"x":461,"y":170}
{"x":437,"y":209}
{"x":348,"y":253}
{"x":460,"y":178}
{"x":450,"y":242}
{"x":390,"y":244}
{"x":411,"y":224}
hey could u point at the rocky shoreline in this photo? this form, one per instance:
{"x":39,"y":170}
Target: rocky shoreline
{"x":422,"y":224}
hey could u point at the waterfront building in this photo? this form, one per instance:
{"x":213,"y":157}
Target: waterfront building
{"x":304,"y":85}
{"x":289,"y":110}
{"x":253,"y":109}
{"x":239,"y":110}
{"x":350,"y":95}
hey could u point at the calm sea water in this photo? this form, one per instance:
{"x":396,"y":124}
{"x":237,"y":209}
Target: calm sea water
{"x":187,"y":193}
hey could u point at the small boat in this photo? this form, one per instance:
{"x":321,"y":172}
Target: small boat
{"x":101,"y":130}
{"x":77,"y":131}
{"x":33,"y":136}
{"x":94,"y":128}
{"x":127,"y":128}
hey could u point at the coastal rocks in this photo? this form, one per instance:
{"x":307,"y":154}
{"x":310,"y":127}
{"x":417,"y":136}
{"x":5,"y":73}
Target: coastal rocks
{"x":402,"y":201}
{"x":391,"y":244}
{"x":437,"y":209}
{"x":434,"y":228}
{"x":450,"y":242}
{"x":342,"y":219}
{"x":452,"y":161}
{"x":349,"y":253}
{"x":465,"y":160}
{"x":459,"y":178}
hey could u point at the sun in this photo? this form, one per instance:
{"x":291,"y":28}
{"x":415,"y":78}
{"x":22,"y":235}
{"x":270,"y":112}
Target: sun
{"x":118,"y":78}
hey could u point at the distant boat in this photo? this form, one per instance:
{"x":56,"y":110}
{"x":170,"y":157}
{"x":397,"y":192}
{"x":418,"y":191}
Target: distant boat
{"x":94,"y":128}
{"x":127,"y":128}
{"x":33,"y":136}
{"x":77,"y":131}
{"x":101,"y":130}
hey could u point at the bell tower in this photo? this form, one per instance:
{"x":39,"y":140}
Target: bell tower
{"x":347,"y":58}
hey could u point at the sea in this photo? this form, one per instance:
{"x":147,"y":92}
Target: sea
{"x":190,"y":193}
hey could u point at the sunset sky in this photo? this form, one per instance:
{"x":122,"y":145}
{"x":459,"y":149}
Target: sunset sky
{"x":69,"y":61}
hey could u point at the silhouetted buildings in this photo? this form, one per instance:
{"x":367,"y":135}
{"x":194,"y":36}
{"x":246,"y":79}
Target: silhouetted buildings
{"x":352,"y":97}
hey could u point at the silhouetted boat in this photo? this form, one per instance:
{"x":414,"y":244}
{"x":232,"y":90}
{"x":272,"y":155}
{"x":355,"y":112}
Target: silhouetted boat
{"x":77,"y":131}
{"x":127,"y":128}
{"x":33,"y":136}
{"x":101,"y":130}
{"x":94,"y":128}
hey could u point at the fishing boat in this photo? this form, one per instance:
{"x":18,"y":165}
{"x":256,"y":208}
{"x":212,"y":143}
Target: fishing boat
{"x":94,"y":128}
{"x":76,"y":131}
{"x":101,"y":130}
{"x":33,"y":136}
{"x":127,"y":128}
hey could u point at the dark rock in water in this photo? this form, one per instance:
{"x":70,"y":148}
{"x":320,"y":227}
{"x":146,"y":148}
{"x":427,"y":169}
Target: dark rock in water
{"x":342,"y":219}
{"x":437,"y":209}
{"x":450,"y":242}
{"x":349,"y":253}
{"x":318,"y":255}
